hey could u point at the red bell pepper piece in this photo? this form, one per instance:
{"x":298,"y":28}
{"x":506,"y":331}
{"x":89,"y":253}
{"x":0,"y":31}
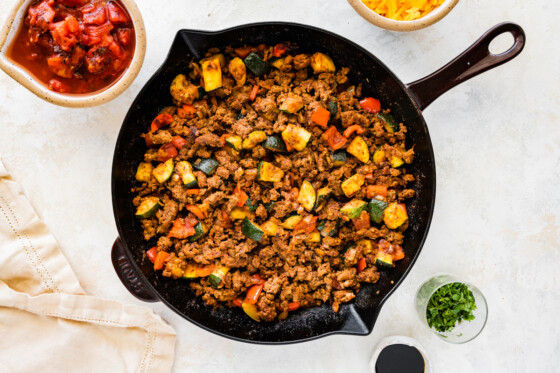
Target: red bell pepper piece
{"x":293,"y":306}
{"x":181,"y":229}
{"x":254,"y":92}
{"x":353,"y":129}
{"x":371,"y":105}
{"x":373,"y":191}
{"x":307,"y":225}
{"x":178,"y":142}
{"x":187,"y":111}
{"x":361,"y":264}
{"x":149,"y":142}
{"x":321,"y":117}
{"x":334,"y":138}
{"x":258,"y":279}
{"x":242,"y":197}
{"x":243,"y":52}
{"x":152,"y":254}
{"x":238,"y":302}
{"x":362,"y":221}
{"x":193,"y":191}
{"x":195,"y":210}
{"x":161,"y":120}
{"x":116,"y":14}
{"x":161,"y":258}
{"x":253,"y":294}
{"x":167,"y":151}
{"x":279,"y":50}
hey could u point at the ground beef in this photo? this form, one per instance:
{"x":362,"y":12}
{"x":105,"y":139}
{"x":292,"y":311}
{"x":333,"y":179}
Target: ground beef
{"x":313,"y":260}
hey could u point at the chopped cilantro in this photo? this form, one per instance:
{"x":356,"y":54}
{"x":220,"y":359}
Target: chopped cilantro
{"x":449,"y":305}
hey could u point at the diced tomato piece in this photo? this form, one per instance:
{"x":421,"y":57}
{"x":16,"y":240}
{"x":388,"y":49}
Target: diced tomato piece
{"x":243,"y":52}
{"x":362,"y":221}
{"x":279,"y":50}
{"x":293,"y":306}
{"x":59,"y":66}
{"x":57,"y":86}
{"x":161,"y":120}
{"x":116,"y":14}
{"x":361,"y":264}
{"x":166,"y":152}
{"x":152,"y":254}
{"x":254,"y":92}
{"x":371,"y":105}
{"x":373,"y":191}
{"x":178,"y":142}
{"x":238,"y":302}
{"x":124,"y":36}
{"x":95,"y":35}
{"x":321,"y":117}
{"x":334,"y":138}
{"x":258,"y":279}
{"x":307,"y":225}
{"x":94,"y":14}
{"x":242,"y":197}
{"x":195,"y":210}
{"x":62,"y":34}
{"x":181,"y":229}
{"x":253,"y":294}
{"x":41,"y":15}
{"x":161,"y":258}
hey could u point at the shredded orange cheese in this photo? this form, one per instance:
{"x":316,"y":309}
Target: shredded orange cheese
{"x":402,"y":10}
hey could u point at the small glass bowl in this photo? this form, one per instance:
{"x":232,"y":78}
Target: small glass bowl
{"x":464,"y":331}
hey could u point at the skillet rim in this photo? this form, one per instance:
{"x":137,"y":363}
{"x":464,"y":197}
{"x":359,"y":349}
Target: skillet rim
{"x":404,"y":88}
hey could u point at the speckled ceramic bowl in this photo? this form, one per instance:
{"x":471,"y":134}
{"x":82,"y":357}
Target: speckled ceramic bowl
{"x":23,"y":77}
{"x":390,"y":24}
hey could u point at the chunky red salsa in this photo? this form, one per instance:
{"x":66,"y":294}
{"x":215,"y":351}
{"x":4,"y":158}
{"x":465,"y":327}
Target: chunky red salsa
{"x":75,"y":46}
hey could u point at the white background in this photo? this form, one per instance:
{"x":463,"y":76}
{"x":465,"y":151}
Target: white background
{"x":497,"y":147}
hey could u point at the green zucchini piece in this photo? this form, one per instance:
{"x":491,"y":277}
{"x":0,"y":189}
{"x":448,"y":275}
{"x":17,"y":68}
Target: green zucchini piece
{"x":389,"y":122}
{"x":184,"y":170}
{"x":333,"y":231}
{"x":353,"y":184}
{"x":384,"y":260}
{"x":148,"y":207}
{"x":275,"y":144}
{"x":268,"y":172}
{"x":269,"y":206}
{"x":251,"y":230}
{"x":321,"y":224}
{"x":253,"y":139}
{"x":375,"y":209}
{"x":252,"y":206}
{"x":218,"y":275}
{"x":144,"y":172}
{"x":333,"y":108}
{"x":256,"y":64}
{"x":295,"y":136}
{"x":163,"y":171}
{"x":292,"y":104}
{"x":353,"y":208}
{"x":239,"y":116}
{"x":200,"y":230}
{"x":201,"y":93}
{"x":322,"y":197}
{"x":207,"y":165}
{"x":291,"y":222}
{"x":235,"y":142}
{"x":307,"y":196}
{"x":339,"y":158}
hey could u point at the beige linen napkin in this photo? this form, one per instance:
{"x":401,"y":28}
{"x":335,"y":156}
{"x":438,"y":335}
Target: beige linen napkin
{"x":47,"y":324}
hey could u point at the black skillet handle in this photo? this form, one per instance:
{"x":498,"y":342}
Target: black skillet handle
{"x":475,"y":60}
{"x":128,"y":275}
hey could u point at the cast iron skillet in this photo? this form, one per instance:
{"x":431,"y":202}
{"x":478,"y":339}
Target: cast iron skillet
{"x":406,"y":102}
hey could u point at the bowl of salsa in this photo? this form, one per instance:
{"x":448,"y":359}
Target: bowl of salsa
{"x":75,"y":53}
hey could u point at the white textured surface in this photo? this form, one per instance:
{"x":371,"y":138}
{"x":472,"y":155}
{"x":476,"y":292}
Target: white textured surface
{"x":497,"y":145}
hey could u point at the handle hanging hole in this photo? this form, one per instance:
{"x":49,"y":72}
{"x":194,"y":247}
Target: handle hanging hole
{"x":501,"y":43}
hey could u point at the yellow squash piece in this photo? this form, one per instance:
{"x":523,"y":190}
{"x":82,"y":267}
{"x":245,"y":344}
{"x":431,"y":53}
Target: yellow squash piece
{"x":269,"y":228}
{"x":253,"y":139}
{"x":321,"y":63}
{"x":211,"y":73}
{"x":378,"y":156}
{"x":238,"y":70}
{"x":163,"y":171}
{"x":395,"y":215}
{"x":295,"y":136}
{"x":353,"y":184}
{"x":359,"y":149}
{"x":291,"y":222}
{"x":396,"y":161}
{"x":239,"y":213}
{"x":251,"y":311}
{"x":183,"y":91}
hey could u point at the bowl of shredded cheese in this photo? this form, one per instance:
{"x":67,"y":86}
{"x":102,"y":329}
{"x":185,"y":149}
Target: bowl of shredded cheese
{"x":403,"y":15}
